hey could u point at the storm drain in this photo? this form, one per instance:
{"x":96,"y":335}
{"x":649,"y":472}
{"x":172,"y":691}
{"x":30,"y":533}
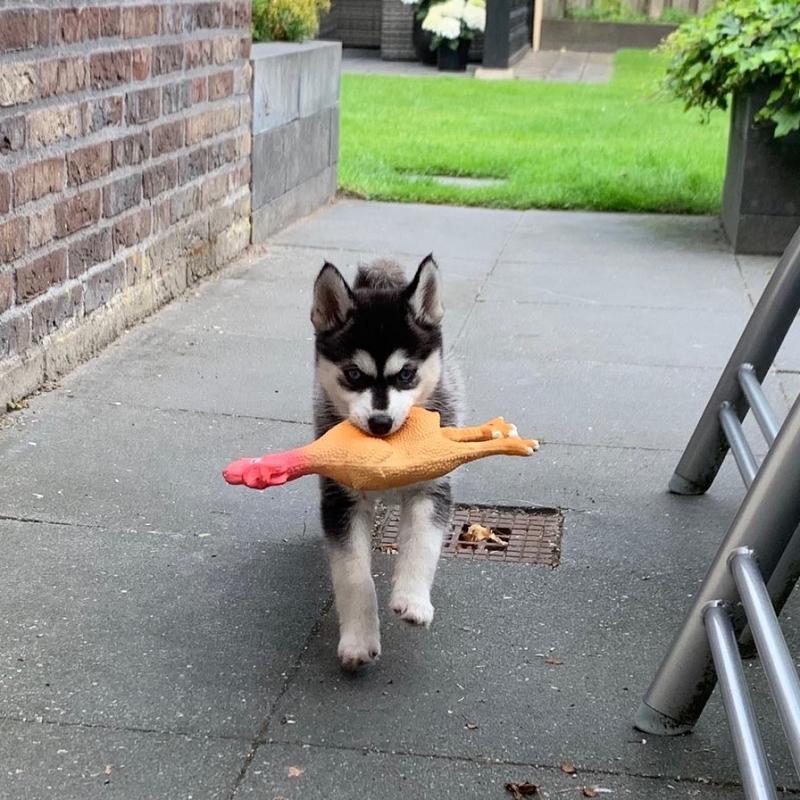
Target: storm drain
{"x":527,"y":535}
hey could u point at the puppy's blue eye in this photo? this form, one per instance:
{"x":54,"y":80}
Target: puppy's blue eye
{"x":407,"y":374}
{"x":353,"y":374}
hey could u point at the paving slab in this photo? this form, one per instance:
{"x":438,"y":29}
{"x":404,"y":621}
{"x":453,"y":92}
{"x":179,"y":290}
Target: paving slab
{"x":429,"y":684}
{"x":154,"y":631}
{"x":396,"y":776}
{"x":74,"y":762}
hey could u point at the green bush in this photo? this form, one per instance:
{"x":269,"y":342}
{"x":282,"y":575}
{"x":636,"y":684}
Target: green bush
{"x":740,"y":46}
{"x":286,"y":20}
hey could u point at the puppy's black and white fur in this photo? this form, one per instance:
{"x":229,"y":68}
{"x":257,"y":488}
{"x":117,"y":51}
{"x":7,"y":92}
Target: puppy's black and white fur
{"x":378,"y":353}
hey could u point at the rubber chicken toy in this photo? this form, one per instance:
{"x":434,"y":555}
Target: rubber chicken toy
{"x":420,"y":451}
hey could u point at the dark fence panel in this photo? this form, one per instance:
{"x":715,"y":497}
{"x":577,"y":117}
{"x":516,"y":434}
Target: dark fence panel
{"x":509,"y":25}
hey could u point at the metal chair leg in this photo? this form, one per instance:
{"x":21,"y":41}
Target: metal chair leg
{"x":765,"y":522}
{"x":758,"y":345}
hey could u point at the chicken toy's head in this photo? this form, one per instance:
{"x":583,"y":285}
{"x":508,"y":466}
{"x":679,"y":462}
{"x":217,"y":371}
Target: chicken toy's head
{"x":271,"y":470}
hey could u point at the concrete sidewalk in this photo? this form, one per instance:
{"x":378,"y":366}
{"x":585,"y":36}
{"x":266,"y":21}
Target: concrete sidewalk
{"x":164,"y":635}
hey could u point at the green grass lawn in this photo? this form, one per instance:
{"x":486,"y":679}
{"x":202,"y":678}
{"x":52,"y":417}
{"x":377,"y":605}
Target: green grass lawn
{"x":620,"y":146}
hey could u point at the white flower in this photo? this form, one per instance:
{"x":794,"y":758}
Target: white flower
{"x":453,"y":9}
{"x":409,"y":2}
{"x":475,"y":15}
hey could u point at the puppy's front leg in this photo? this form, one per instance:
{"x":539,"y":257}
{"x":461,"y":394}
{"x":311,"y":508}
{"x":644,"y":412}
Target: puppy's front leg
{"x":347,"y":521}
{"x":424,"y":517}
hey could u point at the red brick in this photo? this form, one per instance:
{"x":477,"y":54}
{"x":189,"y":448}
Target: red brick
{"x":88,"y":251}
{"x":132,"y":229}
{"x":220,"y":85}
{"x":245,"y":43}
{"x":142,"y":60}
{"x":214,"y":189}
{"x":89,"y":163}
{"x":192,"y":165}
{"x":244,"y":9}
{"x":140,"y":21}
{"x":111,"y":68}
{"x":12,"y":134}
{"x":110,"y":21}
{"x":174,"y":20}
{"x":71,"y":25}
{"x":15,"y":333}
{"x":131,"y":150}
{"x":122,"y":194}
{"x":39,"y":178}
{"x":199,"y":90}
{"x":5,"y":192}
{"x":176,"y":97}
{"x":102,"y":113}
{"x":200,"y":127}
{"x":221,"y":153}
{"x":23,"y":29}
{"x":167,"y":58}
{"x":50,"y":313}
{"x":6,"y":290}
{"x":41,"y":227}
{"x":103,"y":285}
{"x":167,"y":137}
{"x":226,"y":119}
{"x":13,"y":238}
{"x":226,"y":49}
{"x":161,"y":215}
{"x":77,"y":212}
{"x":52,"y":124}
{"x":228,"y":13}
{"x":199,"y":53}
{"x":159,"y":178}
{"x":143,"y":106}
{"x":36,"y":277}
{"x":63,"y":75}
{"x":207,"y":15}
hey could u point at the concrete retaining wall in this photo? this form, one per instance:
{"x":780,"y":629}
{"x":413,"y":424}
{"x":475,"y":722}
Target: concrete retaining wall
{"x":124,"y":169}
{"x":295,"y":131}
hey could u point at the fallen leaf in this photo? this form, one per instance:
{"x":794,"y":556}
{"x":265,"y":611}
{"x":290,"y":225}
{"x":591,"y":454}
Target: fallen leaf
{"x":295,"y":772}
{"x":390,"y":547}
{"x":590,"y":791}
{"x":471,"y":726}
{"x":478,"y":533}
{"x":553,"y":662}
{"x":107,"y":770}
{"x":519,"y":790}
{"x":16,"y":405}
{"x":568,"y":767}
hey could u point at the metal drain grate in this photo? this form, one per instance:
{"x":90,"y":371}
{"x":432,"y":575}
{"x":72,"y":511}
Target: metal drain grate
{"x":533,"y":535}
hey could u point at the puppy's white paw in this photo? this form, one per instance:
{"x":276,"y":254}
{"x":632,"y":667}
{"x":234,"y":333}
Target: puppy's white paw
{"x":356,"y":651}
{"x":413,"y":608}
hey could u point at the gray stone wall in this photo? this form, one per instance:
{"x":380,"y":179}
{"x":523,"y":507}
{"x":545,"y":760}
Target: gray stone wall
{"x":295,"y":131}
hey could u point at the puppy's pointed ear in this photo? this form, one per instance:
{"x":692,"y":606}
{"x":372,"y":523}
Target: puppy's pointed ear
{"x":424,"y":293}
{"x":333,"y":300}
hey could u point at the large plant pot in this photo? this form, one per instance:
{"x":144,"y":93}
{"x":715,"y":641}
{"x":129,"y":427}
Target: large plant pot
{"x":450,"y":59}
{"x":761,"y":196}
{"x":422,"y":40}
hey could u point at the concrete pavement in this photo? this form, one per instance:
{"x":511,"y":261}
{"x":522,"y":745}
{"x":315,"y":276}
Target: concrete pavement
{"x":163,"y":635}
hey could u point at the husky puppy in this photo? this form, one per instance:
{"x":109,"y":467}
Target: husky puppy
{"x":378,"y":353}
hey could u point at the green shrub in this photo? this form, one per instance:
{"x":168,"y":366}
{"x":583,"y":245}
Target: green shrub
{"x":740,"y":46}
{"x":621,"y":11}
{"x":286,"y":20}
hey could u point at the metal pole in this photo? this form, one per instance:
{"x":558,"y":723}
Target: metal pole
{"x":745,"y":460}
{"x":757,"y":780}
{"x":765,"y":522}
{"x":758,"y":345}
{"x":762,"y":410}
{"x":775,"y":657}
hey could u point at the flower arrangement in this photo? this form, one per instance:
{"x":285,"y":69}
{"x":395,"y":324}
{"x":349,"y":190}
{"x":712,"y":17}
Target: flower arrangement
{"x":454,"y":21}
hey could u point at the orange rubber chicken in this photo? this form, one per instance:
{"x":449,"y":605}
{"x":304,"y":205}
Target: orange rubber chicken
{"x":420,"y":451}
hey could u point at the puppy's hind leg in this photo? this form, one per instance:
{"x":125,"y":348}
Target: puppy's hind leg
{"x":424,"y":517}
{"x":348,"y":528}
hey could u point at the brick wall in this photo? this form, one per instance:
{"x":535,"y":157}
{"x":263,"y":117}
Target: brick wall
{"x":124,"y":169}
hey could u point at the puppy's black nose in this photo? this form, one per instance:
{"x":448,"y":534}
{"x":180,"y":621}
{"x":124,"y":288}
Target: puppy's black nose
{"x":380,"y":424}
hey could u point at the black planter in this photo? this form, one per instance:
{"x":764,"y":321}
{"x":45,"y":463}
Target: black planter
{"x":422,"y":43}
{"x":761,"y":197}
{"x":453,"y":60}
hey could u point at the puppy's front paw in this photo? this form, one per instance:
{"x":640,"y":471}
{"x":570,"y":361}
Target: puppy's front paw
{"x":358,"y":651}
{"x":413,"y":608}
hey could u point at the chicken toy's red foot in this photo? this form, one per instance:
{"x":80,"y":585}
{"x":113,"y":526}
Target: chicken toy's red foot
{"x":420,"y":451}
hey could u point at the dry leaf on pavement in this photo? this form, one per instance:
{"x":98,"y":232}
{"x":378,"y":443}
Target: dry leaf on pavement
{"x":479,"y":533}
{"x":520,"y":790}
{"x":590,"y":791}
{"x":471,"y":726}
{"x":295,"y":772}
{"x":568,"y":767}
{"x":553,"y":662}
